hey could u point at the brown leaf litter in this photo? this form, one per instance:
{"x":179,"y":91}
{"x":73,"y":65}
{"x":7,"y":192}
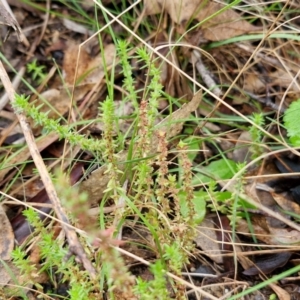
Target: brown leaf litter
{"x":265,"y":77}
{"x":215,"y":23}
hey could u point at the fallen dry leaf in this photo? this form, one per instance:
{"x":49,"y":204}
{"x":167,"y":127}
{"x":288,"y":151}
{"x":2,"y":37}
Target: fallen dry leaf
{"x":221,"y":26}
{"x":283,"y":236}
{"x":254,"y":83}
{"x":282,"y":199}
{"x":89,"y":69}
{"x":179,"y":10}
{"x":24,"y":154}
{"x":172,"y":124}
{"x":285,"y":203}
{"x":285,"y":79}
{"x":207,"y":240}
{"x":268,"y":234}
{"x":210,"y":240}
{"x":268,"y":264}
{"x":280,"y":292}
{"x":7,"y":236}
{"x":90,"y":72}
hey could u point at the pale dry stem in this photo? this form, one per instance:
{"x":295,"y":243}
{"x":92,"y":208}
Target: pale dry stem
{"x":74,"y":243}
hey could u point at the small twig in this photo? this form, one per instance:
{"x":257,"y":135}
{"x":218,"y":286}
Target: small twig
{"x":267,"y":101}
{"x":71,"y":235}
{"x":47,"y":14}
{"x":206,"y":77}
{"x":35,"y":204}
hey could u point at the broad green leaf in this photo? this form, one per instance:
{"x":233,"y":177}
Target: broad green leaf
{"x":219,"y":169}
{"x":199,"y":204}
